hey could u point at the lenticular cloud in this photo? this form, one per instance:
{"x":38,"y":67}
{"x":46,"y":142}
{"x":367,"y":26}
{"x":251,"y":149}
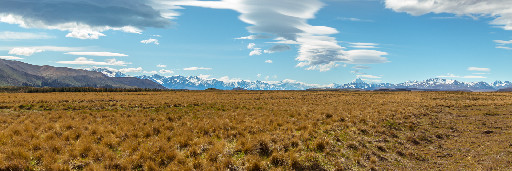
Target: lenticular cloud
{"x":287,"y":20}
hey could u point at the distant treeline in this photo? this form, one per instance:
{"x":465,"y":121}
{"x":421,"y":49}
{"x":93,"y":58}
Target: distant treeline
{"x":73,"y":89}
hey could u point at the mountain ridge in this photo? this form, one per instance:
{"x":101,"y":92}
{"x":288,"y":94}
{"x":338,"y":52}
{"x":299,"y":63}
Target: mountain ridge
{"x":16,"y":73}
{"x":197,"y":83}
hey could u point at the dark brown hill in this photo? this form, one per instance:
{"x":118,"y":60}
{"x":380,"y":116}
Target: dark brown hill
{"x":15,"y":73}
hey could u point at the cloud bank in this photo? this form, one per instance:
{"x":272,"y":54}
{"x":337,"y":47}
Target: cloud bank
{"x":84,"y":19}
{"x":85,"y":61}
{"x":499,"y":9}
{"x":8,"y":35}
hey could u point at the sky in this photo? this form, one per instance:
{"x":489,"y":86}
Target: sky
{"x":311,"y":41}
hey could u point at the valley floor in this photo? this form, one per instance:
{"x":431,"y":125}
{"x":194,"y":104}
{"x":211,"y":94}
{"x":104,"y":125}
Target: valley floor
{"x":256,"y":130}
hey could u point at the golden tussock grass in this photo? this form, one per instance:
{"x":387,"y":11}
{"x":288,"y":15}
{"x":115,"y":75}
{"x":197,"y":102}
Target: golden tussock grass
{"x":256,"y":130}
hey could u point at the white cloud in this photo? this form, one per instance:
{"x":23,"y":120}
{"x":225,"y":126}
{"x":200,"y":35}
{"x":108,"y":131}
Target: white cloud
{"x":131,"y":70}
{"x":161,"y":66}
{"x":7,"y":35}
{"x":287,"y":20}
{"x":361,"y":67}
{"x":365,"y":57}
{"x":259,"y":75}
{"x":474,"y":77}
{"x":150,"y":72}
{"x":278,"y":48}
{"x":24,"y":51}
{"x":30,"y":50}
{"x":151,"y":40}
{"x":372,"y":81}
{"x":164,"y":71}
{"x":353,"y":19}
{"x":368,"y":76}
{"x":479,"y":69}
{"x":254,"y":37}
{"x":504,"y":47}
{"x":196,"y":68}
{"x":87,"y":19}
{"x":269,"y":61}
{"x":503,"y":42}
{"x":256,"y":52}
{"x":500,"y":10}
{"x":364,"y":45}
{"x":251,"y":46}
{"x":10,"y":57}
{"x":106,"y":54}
{"x":448,"y":76}
{"x":85,"y":61}
{"x":205,"y":77}
{"x":229,"y":80}
{"x":467,"y":77}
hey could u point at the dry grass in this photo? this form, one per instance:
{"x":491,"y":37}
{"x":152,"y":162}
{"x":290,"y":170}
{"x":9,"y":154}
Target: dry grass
{"x":242,"y":130}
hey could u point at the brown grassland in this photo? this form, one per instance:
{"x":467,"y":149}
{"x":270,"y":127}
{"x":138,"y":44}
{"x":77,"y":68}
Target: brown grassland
{"x":256,"y":130}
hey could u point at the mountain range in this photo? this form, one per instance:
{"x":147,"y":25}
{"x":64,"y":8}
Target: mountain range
{"x":430,"y":84}
{"x":15,"y":73}
{"x":198,"y":83}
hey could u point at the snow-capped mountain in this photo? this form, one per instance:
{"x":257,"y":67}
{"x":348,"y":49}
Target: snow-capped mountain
{"x":360,"y":84}
{"x":109,"y":72}
{"x":197,"y":83}
{"x":430,"y":84}
{"x":447,"y":85}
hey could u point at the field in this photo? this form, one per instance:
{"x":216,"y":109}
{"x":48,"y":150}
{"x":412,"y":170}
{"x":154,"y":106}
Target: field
{"x":256,"y":130}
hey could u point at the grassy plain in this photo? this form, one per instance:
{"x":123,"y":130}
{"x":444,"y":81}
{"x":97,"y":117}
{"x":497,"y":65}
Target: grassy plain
{"x":256,"y":130}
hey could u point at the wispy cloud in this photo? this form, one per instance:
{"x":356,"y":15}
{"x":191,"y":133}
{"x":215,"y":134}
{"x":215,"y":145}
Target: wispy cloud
{"x":365,"y":57}
{"x":31,"y":50}
{"x":479,"y":69}
{"x":364,"y":45}
{"x":7,"y":35}
{"x":368,"y":76}
{"x":256,"y":52}
{"x":503,"y":42}
{"x":10,"y":57}
{"x":254,"y":37}
{"x":24,"y":51}
{"x":165,"y":71}
{"x":105,"y":54}
{"x":361,"y":67}
{"x":278,"y":48}
{"x":499,"y":9}
{"x":150,"y":41}
{"x":269,"y":61}
{"x":85,"y":61}
{"x":504,"y":47}
{"x":161,"y":66}
{"x":150,"y":72}
{"x":251,"y":46}
{"x":131,"y":70}
{"x":467,"y":77}
{"x":196,"y":68}
{"x":353,"y":19}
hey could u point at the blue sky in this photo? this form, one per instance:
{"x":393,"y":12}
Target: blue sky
{"x":311,"y":41}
